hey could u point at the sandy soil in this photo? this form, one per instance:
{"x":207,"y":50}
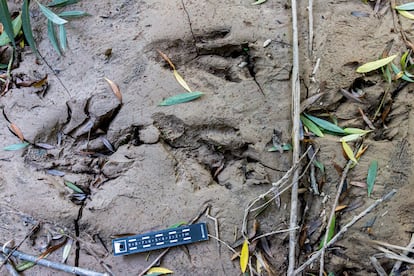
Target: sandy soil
{"x":171,"y":162}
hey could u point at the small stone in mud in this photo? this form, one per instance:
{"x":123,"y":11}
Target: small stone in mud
{"x":149,"y":135}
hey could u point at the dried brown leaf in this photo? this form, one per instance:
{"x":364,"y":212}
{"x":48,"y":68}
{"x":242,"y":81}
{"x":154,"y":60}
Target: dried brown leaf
{"x":309,"y":101}
{"x":366,"y":119}
{"x":340,"y":207}
{"x":40,"y":83}
{"x":16,"y":130}
{"x":115,"y":89}
{"x":167,"y":59}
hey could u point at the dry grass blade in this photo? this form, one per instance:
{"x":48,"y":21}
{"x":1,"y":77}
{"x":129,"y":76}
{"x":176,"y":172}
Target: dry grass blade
{"x":16,"y":130}
{"x":115,"y":89}
{"x":167,"y":59}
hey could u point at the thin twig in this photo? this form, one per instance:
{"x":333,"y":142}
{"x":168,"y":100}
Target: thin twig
{"x":344,"y":229}
{"x":273,"y":233}
{"x":216,"y":227}
{"x":338,"y":194}
{"x":398,"y":264}
{"x":10,"y":268}
{"x":226,"y":244}
{"x":310,"y":14}
{"x":54,"y":265}
{"x":295,"y":140}
{"x":154,"y":261}
{"x":380,"y":270}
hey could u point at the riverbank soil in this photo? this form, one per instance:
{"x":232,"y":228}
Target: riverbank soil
{"x":143,"y":167}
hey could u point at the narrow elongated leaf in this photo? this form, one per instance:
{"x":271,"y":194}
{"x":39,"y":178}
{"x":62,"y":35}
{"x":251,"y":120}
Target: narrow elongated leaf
{"x":24,"y":266}
{"x":17,"y":25}
{"x":331,"y":232}
{"x":51,"y":15}
{"x":18,"y":146}
{"x":181,"y":81}
{"x":405,"y":7}
{"x":372,"y":174}
{"x":16,"y":130}
{"x":55,"y":172}
{"x":74,"y":187}
{"x":73,"y":14}
{"x":52,"y":36}
{"x":348,"y":151}
{"x":400,"y":74}
{"x":258,"y":2}
{"x":403,"y":60}
{"x":373,"y":65}
{"x":311,"y":126}
{"x":62,"y":3}
{"x":27,"y":28}
{"x":161,"y":270}
{"x":325,"y":124}
{"x":244,"y":256}
{"x":66,"y":250}
{"x":62,"y":37}
{"x":181,"y":98}
{"x":115,"y":89}
{"x":6,"y":20}
{"x":352,"y":130}
{"x":351,"y":137}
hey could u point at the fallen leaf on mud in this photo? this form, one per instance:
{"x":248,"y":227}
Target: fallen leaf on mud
{"x":373,"y":65}
{"x":309,"y":101}
{"x":348,"y":151}
{"x":405,"y":7}
{"x":352,"y":130}
{"x":178,"y":224}
{"x":331,"y":233}
{"x":51,"y":33}
{"x":325,"y":124}
{"x":74,"y":187}
{"x":366,"y":119}
{"x":66,"y":250}
{"x":107,"y":144}
{"x":115,"y":89}
{"x":18,"y":146}
{"x":283,"y":147}
{"x":51,"y":15}
{"x":181,"y":98}
{"x":359,"y":14}
{"x":361,"y":151}
{"x":340,"y":207}
{"x":62,"y":3}
{"x":16,"y":130}
{"x":372,"y":174}
{"x":181,"y":81}
{"x":167,"y":59}
{"x":24,"y":266}
{"x":400,"y":74}
{"x":73,"y":14}
{"x":351,"y":137}
{"x":44,"y":146}
{"x":159,"y":271}
{"x":27,"y":28}
{"x":244,"y":256}
{"x":258,"y":2}
{"x":350,"y":96}
{"x":311,"y":126}
{"x":358,"y":184}
{"x":55,"y":172}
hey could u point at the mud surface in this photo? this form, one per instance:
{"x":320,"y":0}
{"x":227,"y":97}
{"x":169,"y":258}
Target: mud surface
{"x":171,"y":163}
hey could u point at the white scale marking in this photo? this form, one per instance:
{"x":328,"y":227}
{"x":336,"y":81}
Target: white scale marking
{"x":172,"y":232}
{"x":133,"y":248}
{"x":186,"y":230}
{"x":145,"y":238}
{"x":186,"y":239}
{"x":159,"y":235}
{"x":147,"y":245}
{"x":159,"y":243}
{"x":132,"y":240}
{"x":172,"y":241}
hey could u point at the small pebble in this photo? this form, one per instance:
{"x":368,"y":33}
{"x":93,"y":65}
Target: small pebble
{"x":267,"y":43}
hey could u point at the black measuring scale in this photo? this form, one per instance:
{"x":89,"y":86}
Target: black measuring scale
{"x":160,"y":239}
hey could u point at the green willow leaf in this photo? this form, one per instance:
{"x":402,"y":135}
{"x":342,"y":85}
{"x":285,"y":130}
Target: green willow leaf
{"x":62,"y":3}
{"x":27,"y":28}
{"x":18,"y":146}
{"x":17,"y":25}
{"x":352,"y":130}
{"x":373,"y":65}
{"x":405,"y":7}
{"x":331,"y":233}
{"x":325,"y":124}
{"x":311,"y":126}
{"x":75,"y":188}
{"x":351,"y":137}
{"x":3,"y":66}
{"x":73,"y":14}
{"x":52,"y":36}
{"x":51,"y":15}
{"x":25,"y":265}
{"x":372,"y":174}
{"x":62,"y":37}
{"x":6,"y":20}
{"x":181,"y":98}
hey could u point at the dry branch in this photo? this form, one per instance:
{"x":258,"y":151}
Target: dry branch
{"x":344,"y":229}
